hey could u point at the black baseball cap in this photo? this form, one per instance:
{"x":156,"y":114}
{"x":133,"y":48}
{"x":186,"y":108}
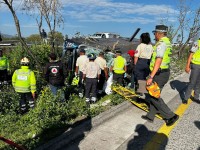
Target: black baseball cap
{"x":118,"y":52}
{"x":82,"y":51}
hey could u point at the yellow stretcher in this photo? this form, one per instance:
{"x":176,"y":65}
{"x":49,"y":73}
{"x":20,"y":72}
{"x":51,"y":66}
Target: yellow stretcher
{"x":132,"y":97}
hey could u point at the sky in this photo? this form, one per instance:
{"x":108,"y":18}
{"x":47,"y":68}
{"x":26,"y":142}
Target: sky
{"x":89,"y":16}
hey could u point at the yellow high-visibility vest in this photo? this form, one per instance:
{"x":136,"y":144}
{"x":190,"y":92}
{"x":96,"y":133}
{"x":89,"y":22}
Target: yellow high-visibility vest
{"x":119,"y":64}
{"x":23,"y":80}
{"x":196,"y":56}
{"x":166,"y":58}
{"x":4,"y":63}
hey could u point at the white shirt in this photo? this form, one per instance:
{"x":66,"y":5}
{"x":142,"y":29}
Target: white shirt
{"x":144,"y":51}
{"x":81,"y":62}
{"x":101,"y":62}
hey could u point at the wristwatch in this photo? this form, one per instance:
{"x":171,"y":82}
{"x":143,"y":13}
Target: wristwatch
{"x":149,"y":77}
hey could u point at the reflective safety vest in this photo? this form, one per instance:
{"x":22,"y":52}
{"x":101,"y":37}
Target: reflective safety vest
{"x":166,"y":57}
{"x":4,"y":63}
{"x":23,"y":80}
{"x":119,"y":64}
{"x":196,"y":56}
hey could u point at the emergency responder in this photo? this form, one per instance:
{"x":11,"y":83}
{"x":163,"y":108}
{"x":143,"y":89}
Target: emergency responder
{"x":4,"y":67}
{"x":131,"y":68}
{"x":81,"y":61}
{"x":100,"y":60}
{"x":24,"y":83}
{"x":193,"y":65}
{"x":159,"y":67}
{"x":142,"y":57}
{"x":91,"y":75}
{"x":55,"y":74}
{"x":118,"y":67}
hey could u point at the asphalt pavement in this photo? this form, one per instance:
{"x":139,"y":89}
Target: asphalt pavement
{"x":122,"y":127}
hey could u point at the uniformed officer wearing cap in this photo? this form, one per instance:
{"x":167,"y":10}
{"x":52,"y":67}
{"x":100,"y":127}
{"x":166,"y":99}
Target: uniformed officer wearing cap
{"x":193,"y":66}
{"x":118,"y":67}
{"x":159,"y":73}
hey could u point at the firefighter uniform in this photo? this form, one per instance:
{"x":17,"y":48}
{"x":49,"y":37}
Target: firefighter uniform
{"x":24,"y":83}
{"x":194,"y":64}
{"x":162,"y":50}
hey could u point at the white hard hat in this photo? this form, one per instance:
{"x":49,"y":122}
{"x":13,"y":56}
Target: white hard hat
{"x":24,"y":61}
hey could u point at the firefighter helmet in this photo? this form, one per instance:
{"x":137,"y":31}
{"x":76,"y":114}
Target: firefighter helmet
{"x":25,"y":61}
{"x":153,"y":90}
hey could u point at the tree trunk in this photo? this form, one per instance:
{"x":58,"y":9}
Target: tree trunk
{"x":24,"y":45}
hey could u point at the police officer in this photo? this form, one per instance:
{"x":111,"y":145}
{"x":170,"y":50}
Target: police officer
{"x":118,"y":67}
{"x":81,"y":61}
{"x":160,"y":73}
{"x":55,"y":73}
{"x":193,"y":65}
{"x":4,"y":67}
{"x":24,"y":83}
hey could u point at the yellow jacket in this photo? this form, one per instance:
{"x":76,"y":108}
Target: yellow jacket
{"x":23,"y":80}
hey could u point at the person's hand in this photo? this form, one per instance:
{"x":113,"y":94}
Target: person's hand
{"x":82,"y":81}
{"x":33,"y":95}
{"x":106,"y":77}
{"x":76,"y":75}
{"x":125,"y":75}
{"x":110,"y":74}
{"x":187,"y":69}
{"x":149,"y":81}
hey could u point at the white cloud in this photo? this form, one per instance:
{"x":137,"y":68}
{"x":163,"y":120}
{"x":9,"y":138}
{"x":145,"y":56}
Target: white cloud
{"x":107,"y":10}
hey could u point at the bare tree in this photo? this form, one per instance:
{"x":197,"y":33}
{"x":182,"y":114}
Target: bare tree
{"x":193,"y":26}
{"x":188,"y":25}
{"x":9,"y":4}
{"x":49,"y":10}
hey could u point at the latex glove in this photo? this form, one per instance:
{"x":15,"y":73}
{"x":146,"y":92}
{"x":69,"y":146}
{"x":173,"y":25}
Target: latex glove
{"x":110,"y":74}
{"x":125,"y":75}
{"x":76,"y":75}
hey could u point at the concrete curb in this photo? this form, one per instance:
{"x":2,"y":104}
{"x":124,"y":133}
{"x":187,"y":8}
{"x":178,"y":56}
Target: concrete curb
{"x":81,"y":130}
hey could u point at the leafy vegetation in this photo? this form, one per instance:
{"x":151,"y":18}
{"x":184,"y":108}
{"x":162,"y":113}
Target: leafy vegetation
{"x":51,"y":116}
